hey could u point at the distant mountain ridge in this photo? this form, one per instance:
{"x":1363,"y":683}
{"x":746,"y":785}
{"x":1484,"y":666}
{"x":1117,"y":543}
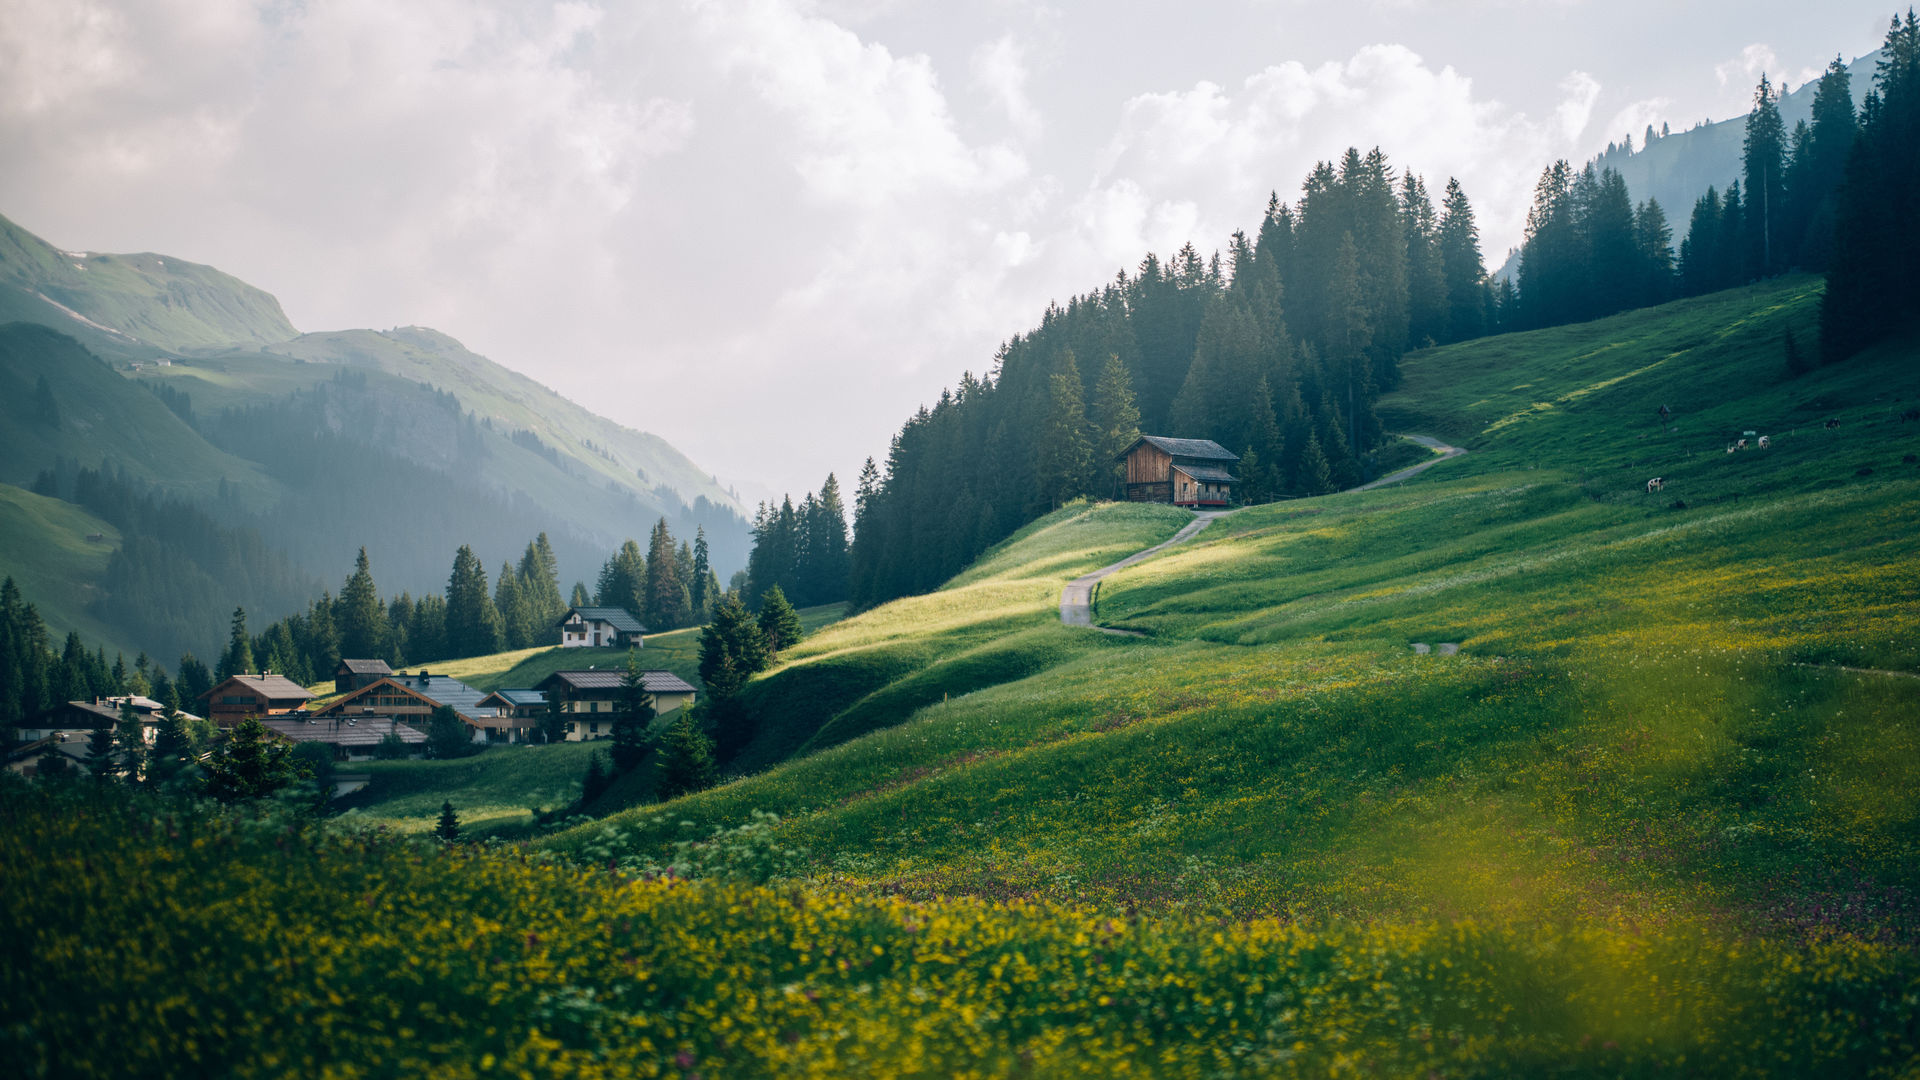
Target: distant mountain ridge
{"x":1676,"y":169}
{"x":190,"y":383}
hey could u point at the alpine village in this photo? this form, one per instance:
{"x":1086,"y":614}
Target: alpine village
{"x":1350,"y":652}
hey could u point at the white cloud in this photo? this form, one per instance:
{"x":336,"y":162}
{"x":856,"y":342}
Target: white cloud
{"x":1203,"y":159}
{"x":1000,"y":71}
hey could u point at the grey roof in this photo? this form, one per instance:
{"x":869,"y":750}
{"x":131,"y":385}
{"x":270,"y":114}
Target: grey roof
{"x":274,"y":687}
{"x":620,"y":618}
{"x":345,"y":730}
{"x":655,"y":682}
{"x":444,"y":690}
{"x":1201,"y":449}
{"x":1212,"y":474}
{"x":366,"y":667}
{"x":522,"y":697}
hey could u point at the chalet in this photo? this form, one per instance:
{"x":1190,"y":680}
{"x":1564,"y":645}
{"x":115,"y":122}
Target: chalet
{"x":242,"y":696}
{"x":600,"y":628}
{"x":352,"y":738}
{"x":1184,"y":472}
{"x":354,"y":675}
{"x":84,"y":716}
{"x":595,"y":695}
{"x":412,"y":699}
{"x":516,"y":714}
{"x":70,"y":749}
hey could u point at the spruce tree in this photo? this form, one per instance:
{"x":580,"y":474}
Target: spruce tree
{"x":686,"y":758}
{"x":472,"y":624}
{"x":579,"y":596}
{"x":447,"y":830}
{"x":238,"y":659}
{"x":515,"y":618}
{"x":130,"y":742}
{"x":1763,"y":168}
{"x":447,"y":734}
{"x":360,"y":618}
{"x":553,"y":721}
{"x":633,"y":712}
{"x":1116,"y":419}
{"x":702,"y":572}
{"x":1063,"y":456}
{"x":250,"y":764}
{"x":1461,"y":266}
{"x":665,"y":594}
{"x":599,"y":775}
{"x":779,"y":623}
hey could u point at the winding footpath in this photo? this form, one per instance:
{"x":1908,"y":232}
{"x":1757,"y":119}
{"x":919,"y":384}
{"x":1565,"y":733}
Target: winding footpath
{"x":1076,"y":600}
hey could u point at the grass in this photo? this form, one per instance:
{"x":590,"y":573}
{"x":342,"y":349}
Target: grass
{"x":493,"y":791}
{"x":1628,"y":736}
{"x":56,"y":567}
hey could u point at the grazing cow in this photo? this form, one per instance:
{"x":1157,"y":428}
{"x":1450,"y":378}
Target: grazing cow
{"x":1766,"y":441}
{"x":1656,"y":484}
{"x":1732,"y":448}
{"x":1832,"y":423}
{"x":1741,"y":445}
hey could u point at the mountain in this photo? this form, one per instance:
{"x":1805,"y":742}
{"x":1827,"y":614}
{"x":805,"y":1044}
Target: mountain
{"x":1676,"y":169}
{"x":179,"y":381}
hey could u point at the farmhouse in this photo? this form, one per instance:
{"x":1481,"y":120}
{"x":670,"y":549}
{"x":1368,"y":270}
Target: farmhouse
{"x":600,"y":628}
{"x":527,"y":704}
{"x":412,"y":698}
{"x":84,"y":716}
{"x":253,"y":695}
{"x":595,"y":693}
{"x":1184,"y":472}
{"x":354,"y":675}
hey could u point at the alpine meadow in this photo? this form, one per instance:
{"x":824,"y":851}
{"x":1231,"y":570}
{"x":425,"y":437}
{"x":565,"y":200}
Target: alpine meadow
{"x":1456,"y":629}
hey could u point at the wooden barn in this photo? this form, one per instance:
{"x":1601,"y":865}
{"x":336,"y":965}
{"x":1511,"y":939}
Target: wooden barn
{"x":1184,"y":472}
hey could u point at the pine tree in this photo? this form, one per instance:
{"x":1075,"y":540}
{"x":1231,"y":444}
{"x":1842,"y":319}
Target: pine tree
{"x":447,"y":735}
{"x":1461,"y":266}
{"x":779,"y":623}
{"x":599,"y":775}
{"x":1428,"y":300}
{"x":553,"y":722}
{"x":1116,"y":419}
{"x":633,"y":713}
{"x":359,"y":617}
{"x":732,"y":648}
{"x":249,"y":765}
{"x":702,"y":574}
{"x":1063,"y":456}
{"x":447,"y":830}
{"x":579,"y":597}
{"x":686,"y":758}
{"x":623,"y":580}
{"x":665,"y":593}
{"x":1764,"y":171}
{"x":239,"y":656}
{"x":1316,"y":477}
{"x":472,"y":623}
{"x":130,"y":742}
{"x":515,"y":618}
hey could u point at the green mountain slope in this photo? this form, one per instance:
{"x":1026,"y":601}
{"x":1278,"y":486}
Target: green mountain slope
{"x":166,"y":302}
{"x":45,"y":547}
{"x":100,"y":415}
{"x":1650,"y":718}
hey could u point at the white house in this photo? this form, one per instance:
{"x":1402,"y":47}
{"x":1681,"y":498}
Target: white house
{"x":600,"y":628}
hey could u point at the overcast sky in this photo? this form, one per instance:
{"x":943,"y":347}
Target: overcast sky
{"x":768,"y":230}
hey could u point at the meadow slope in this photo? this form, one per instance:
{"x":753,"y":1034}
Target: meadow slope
{"x":1650,"y":718}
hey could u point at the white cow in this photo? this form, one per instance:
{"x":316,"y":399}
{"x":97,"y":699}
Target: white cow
{"x":1766,"y":441}
{"x":1656,"y":484}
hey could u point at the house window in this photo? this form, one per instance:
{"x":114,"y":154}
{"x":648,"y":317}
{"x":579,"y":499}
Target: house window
{"x":570,"y":727}
{"x":593,"y":728}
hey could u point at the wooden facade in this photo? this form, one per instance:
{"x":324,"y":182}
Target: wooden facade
{"x":1185,"y":472}
{"x":253,"y":695}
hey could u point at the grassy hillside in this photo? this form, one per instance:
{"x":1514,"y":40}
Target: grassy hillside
{"x":163,"y":301}
{"x":45,"y":550}
{"x":102,"y":416}
{"x":1648,"y":720}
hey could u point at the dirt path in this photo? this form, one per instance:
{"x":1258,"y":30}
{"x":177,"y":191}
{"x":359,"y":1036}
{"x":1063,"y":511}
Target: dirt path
{"x":1076,"y":600}
{"x":1430,"y":443}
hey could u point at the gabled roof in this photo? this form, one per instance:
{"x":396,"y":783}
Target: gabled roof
{"x":433,"y":689}
{"x":618,"y":617}
{"x":271,"y":687}
{"x":365,"y":667}
{"x":1211,"y":474}
{"x":654,"y":682}
{"x":1198,"y":449}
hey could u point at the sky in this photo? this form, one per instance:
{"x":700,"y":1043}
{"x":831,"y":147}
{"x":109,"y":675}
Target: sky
{"x":768,"y":230}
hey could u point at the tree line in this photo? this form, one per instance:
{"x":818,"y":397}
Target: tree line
{"x":1876,"y":236}
{"x":803,"y":551}
{"x":1277,"y":352}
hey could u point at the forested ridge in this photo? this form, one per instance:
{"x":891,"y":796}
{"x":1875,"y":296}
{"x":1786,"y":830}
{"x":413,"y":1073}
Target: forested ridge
{"x":1278,"y":350}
